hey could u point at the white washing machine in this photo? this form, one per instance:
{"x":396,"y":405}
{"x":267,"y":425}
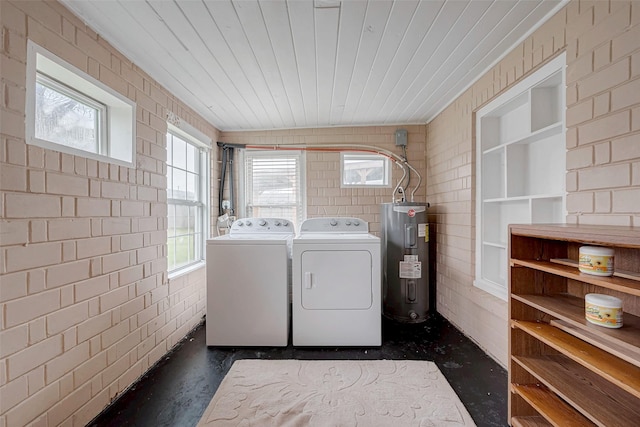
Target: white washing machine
{"x":248,"y":282}
{"x":336,"y":284}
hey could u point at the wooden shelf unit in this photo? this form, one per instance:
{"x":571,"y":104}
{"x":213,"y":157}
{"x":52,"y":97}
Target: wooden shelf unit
{"x":563,"y":370}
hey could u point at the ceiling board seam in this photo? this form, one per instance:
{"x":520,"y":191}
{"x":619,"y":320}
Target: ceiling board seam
{"x":163,"y":65}
{"x":394,"y":55}
{"x":429,"y":60}
{"x":504,"y":17}
{"x":275,"y":57}
{"x":273,"y":98}
{"x":189,"y":52}
{"x":335,"y":67}
{"x":295,"y":55}
{"x":442,"y":63}
{"x":374,"y":57}
{"x":224,"y":71}
{"x":413,"y":55}
{"x":215,"y":23}
{"x":538,"y":24}
{"x":363,"y":30}
{"x":355,"y":61}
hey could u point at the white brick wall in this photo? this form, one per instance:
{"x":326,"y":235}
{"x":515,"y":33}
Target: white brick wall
{"x":84,"y":289}
{"x":602,"y":42}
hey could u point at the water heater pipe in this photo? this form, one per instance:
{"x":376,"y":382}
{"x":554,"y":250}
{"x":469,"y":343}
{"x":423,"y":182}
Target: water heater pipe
{"x":357,"y":147}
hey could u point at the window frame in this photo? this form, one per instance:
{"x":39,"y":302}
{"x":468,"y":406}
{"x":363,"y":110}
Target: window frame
{"x":300,"y":157}
{"x":365,"y":156}
{"x":71,"y":93}
{"x":118,"y":132}
{"x":202,"y":144}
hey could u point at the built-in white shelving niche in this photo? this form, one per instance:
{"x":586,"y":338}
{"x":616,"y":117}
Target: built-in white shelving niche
{"x":521,"y":167}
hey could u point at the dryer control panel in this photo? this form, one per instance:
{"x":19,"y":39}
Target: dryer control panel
{"x":334,"y":225}
{"x":262,"y":225}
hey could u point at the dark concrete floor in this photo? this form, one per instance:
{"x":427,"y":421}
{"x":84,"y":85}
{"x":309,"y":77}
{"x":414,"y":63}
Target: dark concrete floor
{"x":178,"y":389}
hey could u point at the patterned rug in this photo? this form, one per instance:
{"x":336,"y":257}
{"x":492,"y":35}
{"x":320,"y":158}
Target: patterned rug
{"x":302,"y":393}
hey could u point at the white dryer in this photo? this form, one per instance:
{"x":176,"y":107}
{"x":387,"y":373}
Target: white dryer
{"x":336,"y":284}
{"x":248,"y":282}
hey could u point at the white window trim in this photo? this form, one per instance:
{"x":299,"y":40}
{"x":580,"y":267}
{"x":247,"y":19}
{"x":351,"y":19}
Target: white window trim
{"x":200,"y":140}
{"x":121,"y":120}
{"x":366,"y":155}
{"x":242,"y":201}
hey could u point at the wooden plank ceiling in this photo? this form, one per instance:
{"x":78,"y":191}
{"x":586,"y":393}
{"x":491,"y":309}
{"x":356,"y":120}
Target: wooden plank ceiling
{"x":273,"y":64}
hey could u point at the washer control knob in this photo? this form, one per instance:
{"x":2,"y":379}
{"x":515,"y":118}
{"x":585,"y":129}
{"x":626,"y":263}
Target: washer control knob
{"x":285,"y":223}
{"x":248,"y":223}
{"x":347,"y":222}
{"x":262,"y":223}
{"x":277,"y":223}
{"x":333,"y":222}
{"x":356,"y":223}
{"x":240,"y":223}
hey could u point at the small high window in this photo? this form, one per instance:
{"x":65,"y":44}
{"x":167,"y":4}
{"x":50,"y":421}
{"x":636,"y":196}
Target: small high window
{"x":68,"y":117}
{"x":365,"y":170}
{"x":70,"y":111}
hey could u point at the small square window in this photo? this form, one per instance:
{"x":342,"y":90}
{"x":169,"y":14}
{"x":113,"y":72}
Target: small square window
{"x":365,"y":170}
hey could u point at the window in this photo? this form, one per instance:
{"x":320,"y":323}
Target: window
{"x":274,"y":185}
{"x":71,"y":112}
{"x":187,"y":195}
{"x":365,"y":170}
{"x":68,"y":117}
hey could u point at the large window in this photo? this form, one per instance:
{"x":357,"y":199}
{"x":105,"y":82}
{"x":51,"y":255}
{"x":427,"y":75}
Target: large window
{"x":273,"y":185}
{"x":365,"y":170}
{"x":70,"y":111}
{"x":187,"y":167}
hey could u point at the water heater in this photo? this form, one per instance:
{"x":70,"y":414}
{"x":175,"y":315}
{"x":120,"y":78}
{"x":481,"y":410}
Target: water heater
{"x":405,"y":261}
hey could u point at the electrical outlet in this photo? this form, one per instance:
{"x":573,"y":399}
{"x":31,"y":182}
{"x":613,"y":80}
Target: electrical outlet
{"x":226,"y":204}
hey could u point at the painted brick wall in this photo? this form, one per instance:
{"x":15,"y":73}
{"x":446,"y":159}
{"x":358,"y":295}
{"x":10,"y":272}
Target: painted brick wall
{"x":602,"y":41}
{"x":324,"y":195}
{"x":86,"y":305}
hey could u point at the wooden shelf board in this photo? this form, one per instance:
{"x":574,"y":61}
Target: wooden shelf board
{"x":615,"y":283}
{"x":603,"y":235}
{"x":625,"y":341}
{"x":621,"y":373}
{"x":534,"y":421}
{"x":552,"y":408}
{"x":617,"y":273}
{"x":580,"y":387}
{"x":623,"y":352}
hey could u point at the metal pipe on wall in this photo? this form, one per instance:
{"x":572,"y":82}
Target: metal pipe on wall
{"x":403,"y":163}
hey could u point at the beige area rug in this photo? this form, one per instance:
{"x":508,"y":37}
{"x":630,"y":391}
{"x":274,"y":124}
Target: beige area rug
{"x":301,"y":393}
